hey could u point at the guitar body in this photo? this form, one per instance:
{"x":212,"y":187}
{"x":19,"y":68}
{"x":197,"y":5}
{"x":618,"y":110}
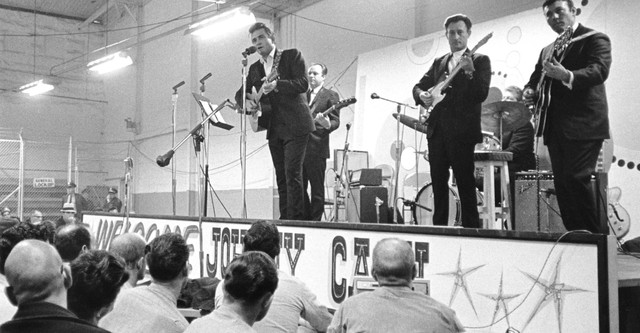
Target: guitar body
{"x":438,"y":93}
{"x":541,"y":106}
{"x":259,"y":119}
{"x":619,"y":219}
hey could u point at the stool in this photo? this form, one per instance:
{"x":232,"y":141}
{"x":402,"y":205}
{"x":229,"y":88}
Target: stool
{"x":488,"y":212}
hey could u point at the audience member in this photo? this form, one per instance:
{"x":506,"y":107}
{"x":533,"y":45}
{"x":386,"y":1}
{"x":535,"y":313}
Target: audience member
{"x":292,"y":299}
{"x":153,"y":308}
{"x":38,"y":283}
{"x":130,"y":246}
{"x":249,"y":283}
{"x":68,"y":216}
{"x":78,"y":202}
{"x":71,"y":240}
{"x":36,"y":217}
{"x":8,"y":240}
{"x":97,"y":278}
{"x":394,"y":306}
{"x":6,"y":212}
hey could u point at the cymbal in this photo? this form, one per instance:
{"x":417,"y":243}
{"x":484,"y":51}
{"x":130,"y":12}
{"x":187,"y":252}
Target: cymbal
{"x":513,"y":115}
{"x":411,"y":122}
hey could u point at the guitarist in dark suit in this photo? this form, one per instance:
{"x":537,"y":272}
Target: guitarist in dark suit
{"x":315,"y":160}
{"x":288,"y":122}
{"x":577,"y":119}
{"x":453,"y":129}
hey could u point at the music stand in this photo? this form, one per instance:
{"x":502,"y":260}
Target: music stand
{"x":208,"y":108}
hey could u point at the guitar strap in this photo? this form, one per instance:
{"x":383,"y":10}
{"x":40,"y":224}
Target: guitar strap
{"x":276,"y":61}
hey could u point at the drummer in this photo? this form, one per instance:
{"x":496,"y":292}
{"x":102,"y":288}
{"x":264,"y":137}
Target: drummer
{"x":519,"y":142}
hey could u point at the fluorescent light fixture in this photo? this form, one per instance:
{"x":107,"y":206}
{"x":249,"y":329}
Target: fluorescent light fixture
{"x":110,"y":63}
{"x":36,"y":88}
{"x":223,"y":22}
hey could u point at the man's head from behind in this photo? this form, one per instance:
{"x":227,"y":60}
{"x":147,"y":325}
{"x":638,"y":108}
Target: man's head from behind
{"x":97,"y":278}
{"x":251,"y":279}
{"x":167,"y":256}
{"x":71,"y":240}
{"x":14,"y":235}
{"x":130,"y":246}
{"x":35,"y":273}
{"x":393,"y":262}
{"x":263,"y":236}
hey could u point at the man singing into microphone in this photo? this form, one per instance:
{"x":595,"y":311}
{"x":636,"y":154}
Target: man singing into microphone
{"x":453,"y":129}
{"x":289,"y":122}
{"x":315,"y":160}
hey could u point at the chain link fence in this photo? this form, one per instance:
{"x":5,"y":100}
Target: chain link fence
{"x":34,"y":176}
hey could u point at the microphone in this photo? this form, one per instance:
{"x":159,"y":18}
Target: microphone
{"x":249,"y":50}
{"x":374,"y":96}
{"x":205,"y":78}
{"x":348,"y":126}
{"x":163,"y":160}
{"x":179,"y":85}
{"x":549,"y":191}
{"x":128,"y":162}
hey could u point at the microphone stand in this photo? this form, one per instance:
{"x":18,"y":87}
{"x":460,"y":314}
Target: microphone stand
{"x":398,"y":152}
{"x":339,"y":179}
{"x":243,"y":138}
{"x":163,"y":160}
{"x":205,"y":157}
{"x":174,"y":103}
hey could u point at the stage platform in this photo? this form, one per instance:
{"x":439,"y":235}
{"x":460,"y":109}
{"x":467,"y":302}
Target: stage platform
{"x":536,"y":282}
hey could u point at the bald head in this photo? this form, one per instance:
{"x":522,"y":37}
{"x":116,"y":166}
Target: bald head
{"x":35,"y":273}
{"x":393,"y":262}
{"x":129,"y":246}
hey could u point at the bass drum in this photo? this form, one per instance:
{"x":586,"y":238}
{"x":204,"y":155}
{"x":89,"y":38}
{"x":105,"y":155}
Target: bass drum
{"x":423,"y":210}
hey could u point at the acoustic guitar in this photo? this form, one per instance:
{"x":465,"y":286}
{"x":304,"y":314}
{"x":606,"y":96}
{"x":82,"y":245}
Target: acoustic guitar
{"x":259,"y":118}
{"x":439,"y":91}
{"x":544,"y":84}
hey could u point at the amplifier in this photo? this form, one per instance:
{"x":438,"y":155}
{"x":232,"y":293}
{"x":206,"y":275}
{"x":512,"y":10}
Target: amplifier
{"x":550,"y":219}
{"x":368,"y":204}
{"x":357,"y":159}
{"x":366,"y":177}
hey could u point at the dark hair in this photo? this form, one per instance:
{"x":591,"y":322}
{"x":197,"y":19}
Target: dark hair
{"x":516,"y":91}
{"x":324,"y":68}
{"x":250,"y":276}
{"x":97,"y":277}
{"x":456,"y":18}
{"x":19,"y":232}
{"x":259,"y":25}
{"x":263,"y":236}
{"x":548,"y":3}
{"x":167,"y":257}
{"x":70,"y":240}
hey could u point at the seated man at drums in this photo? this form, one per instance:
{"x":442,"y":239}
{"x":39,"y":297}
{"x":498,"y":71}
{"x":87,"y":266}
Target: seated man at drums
{"x":518,"y":141}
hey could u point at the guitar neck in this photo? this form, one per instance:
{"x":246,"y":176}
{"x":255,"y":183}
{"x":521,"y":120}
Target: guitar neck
{"x":327,"y":111}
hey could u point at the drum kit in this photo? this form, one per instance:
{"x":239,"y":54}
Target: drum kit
{"x":497,"y":117}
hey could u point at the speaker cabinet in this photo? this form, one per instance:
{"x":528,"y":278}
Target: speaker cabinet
{"x":526,"y":218}
{"x":368,"y":204}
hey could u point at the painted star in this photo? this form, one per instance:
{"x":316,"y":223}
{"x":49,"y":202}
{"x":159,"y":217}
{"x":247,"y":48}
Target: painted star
{"x":553,"y":290}
{"x":502,"y":300}
{"x":460,"y":275}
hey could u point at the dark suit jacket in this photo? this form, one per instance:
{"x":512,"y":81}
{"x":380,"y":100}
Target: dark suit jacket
{"x":289,"y":103}
{"x":520,"y":143}
{"x":318,"y":144}
{"x":580,"y":113}
{"x":47,"y":317}
{"x":81,"y":203}
{"x":458,"y":114}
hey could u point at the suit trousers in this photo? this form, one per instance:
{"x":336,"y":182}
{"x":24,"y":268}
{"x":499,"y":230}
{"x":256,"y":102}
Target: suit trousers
{"x":445,"y":152}
{"x":313,"y":175}
{"x":287,"y":154}
{"x":573,"y":162}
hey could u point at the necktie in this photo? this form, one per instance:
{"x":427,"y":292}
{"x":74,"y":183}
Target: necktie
{"x":309,"y":96}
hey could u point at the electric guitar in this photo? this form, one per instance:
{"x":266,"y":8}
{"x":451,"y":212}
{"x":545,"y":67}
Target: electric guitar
{"x":259,"y":118}
{"x":544,"y":84}
{"x":619,"y":219}
{"x":439,"y":90}
{"x":338,"y":106}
